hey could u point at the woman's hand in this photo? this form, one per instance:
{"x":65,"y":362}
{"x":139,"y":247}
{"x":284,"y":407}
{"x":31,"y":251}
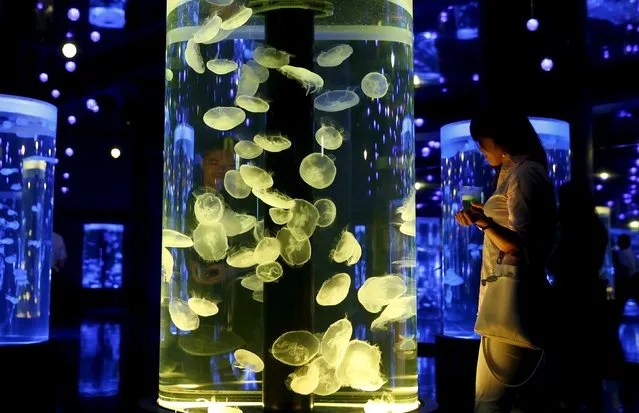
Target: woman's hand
{"x":475,"y":215}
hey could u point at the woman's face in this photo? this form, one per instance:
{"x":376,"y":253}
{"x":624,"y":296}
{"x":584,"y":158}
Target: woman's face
{"x":493,"y":152}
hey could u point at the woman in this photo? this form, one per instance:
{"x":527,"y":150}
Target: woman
{"x":518,"y":220}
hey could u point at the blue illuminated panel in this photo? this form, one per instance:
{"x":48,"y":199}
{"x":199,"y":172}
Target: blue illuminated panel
{"x":102,"y":256}
{"x":109,"y":14}
{"x":429,"y":280}
{"x":615,"y":11}
{"x":99,"y":359}
{"x":426,"y":59}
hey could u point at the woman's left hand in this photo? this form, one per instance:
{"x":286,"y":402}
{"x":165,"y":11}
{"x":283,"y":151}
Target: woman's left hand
{"x":475,"y":215}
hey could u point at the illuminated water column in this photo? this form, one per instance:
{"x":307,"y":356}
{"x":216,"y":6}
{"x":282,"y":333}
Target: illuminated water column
{"x":464,"y":165}
{"x":108,"y":14}
{"x":102,"y":255}
{"x":289,"y":206}
{"x":27,"y":159}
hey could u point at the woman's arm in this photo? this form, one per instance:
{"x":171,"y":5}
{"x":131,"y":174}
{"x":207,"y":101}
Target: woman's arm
{"x":504,"y":238}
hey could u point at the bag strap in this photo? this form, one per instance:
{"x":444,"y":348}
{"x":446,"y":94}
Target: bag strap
{"x":492,"y":370}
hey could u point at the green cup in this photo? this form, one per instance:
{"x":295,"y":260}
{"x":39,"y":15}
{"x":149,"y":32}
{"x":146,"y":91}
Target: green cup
{"x":470,"y":194}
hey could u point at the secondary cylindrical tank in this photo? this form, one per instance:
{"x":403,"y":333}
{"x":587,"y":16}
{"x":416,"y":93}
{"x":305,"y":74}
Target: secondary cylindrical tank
{"x":288,"y":205}
{"x":27,"y":159}
{"x":463,"y":165}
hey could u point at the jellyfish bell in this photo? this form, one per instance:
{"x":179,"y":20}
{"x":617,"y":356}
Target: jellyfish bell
{"x":375,"y":85}
{"x":295,"y":348}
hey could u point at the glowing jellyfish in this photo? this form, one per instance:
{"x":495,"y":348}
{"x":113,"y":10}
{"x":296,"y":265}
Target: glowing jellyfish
{"x":408,"y":210}
{"x":242,"y":258}
{"x":247,"y":150}
{"x":408,"y":228}
{"x":247,"y":222}
{"x":209,"y":208}
{"x":269,"y":271}
{"x":258,"y":296}
{"x":223,"y":34}
{"x":345,"y":247}
{"x":374,"y":85}
{"x":295,"y":348}
{"x":280,"y":216}
{"x":258,"y":71}
{"x":310,"y":81}
{"x":334,"y":56}
{"x":239,"y":19}
{"x":182,"y":316}
{"x":193,"y":57}
{"x":209,"y":341}
{"x":267,"y":250}
{"x":252,"y":282}
{"x":328,"y":382}
{"x":255,"y":177}
{"x":258,"y":230}
{"x":222,"y":3}
{"x":304,"y":380}
{"x":248,"y":360}
{"x":174,"y":239}
{"x":167,"y":265}
{"x":360,"y":367}
{"x":335,"y":341}
{"x":207,"y":32}
{"x":224,"y":118}
{"x":270,"y":57}
{"x":295,"y":253}
{"x":248,"y":84}
{"x":274,"y":198}
{"x":400,"y":309}
{"x":203,"y":307}
{"x":168,"y":74}
{"x":235,"y":185}
{"x":304,"y":220}
{"x":385,"y":404}
{"x":334,"y":290}
{"x":336,"y":100}
{"x":376,"y":292}
{"x":221,"y":66}
{"x":318,"y":170}
{"x":231,"y":223}
{"x":328,"y":137}
{"x":272,"y":143}
{"x":210,"y":241}
{"x":355,"y":256}
{"x":252,"y":104}
{"x":327,"y":212}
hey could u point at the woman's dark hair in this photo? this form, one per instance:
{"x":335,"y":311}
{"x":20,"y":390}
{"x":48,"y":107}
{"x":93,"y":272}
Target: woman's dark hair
{"x":511,"y":130}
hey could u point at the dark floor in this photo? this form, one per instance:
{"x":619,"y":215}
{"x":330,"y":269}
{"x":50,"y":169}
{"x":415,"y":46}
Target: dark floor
{"x":98,"y":365}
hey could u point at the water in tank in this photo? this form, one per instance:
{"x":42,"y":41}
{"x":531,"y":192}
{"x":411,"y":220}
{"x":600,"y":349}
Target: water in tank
{"x":426,"y":59}
{"x":99,"y":374}
{"x":463,"y":165}
{"x":429,"y":281}
{"x":108,"y":14}
{"x":251,"y":209}
{"x":102,"y":255}
{"x":27,"y":159}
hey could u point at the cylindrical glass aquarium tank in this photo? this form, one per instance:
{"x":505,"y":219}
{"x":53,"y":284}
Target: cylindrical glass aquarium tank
{"x":102,"y":255}
{"x":288,"y":239}
{"x":27,"y":159}
{"x":463,"y":165}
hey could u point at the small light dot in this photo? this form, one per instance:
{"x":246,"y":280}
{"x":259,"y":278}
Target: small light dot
{"x":65,"y":175}
{"x":44,"y":77}
{"x":95,"y":36}
{"x":70,"y":66}
{"x":55,"y":93}
{"x":69,"y":50}
{"x":91,"y":103}
{"x":68,"y":151}
{"x":73,"y":14}
{"x":71,"y":119}
{"x":532,"y":24}
{"x":419,"y":122}
{"x":475,"y":77}
{"x":39,"y":5}
{"x":547,"y":64}
{"x":64,"y":189}
{"x":115,"y":153}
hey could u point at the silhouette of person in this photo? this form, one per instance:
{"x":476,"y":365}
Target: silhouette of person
{"x":626,"y":276}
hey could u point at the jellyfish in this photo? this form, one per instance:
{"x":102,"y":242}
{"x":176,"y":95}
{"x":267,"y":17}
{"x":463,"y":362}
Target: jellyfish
{"x":224,"y":118}
{"x":242,"y":258}
{"x":295,"y":253}
{"x":167,"y":265}
{"x":272,"y":143}
{"x":336,"y":100}
{"x":203,"y":307}
{"x":345,"y":247}
{"x":267,"y":250}
{"x":247,"y":222}
{"x":231,"y":223}
{"x":210,"y":241}
{"x":207,"y":32}
{"x":408,"y":228}
{"x":247,"y":150}
{"x":258,"y":230}
{"x":355,"y":256}
{"x":248,"y":84}
{"x":238,"y":19}
{"x":270,"y":57}
{"x":452,"y":278}
{"x":235,"y":185}
{"x":221,"y":66}
{"x":304,"y":380}
{"x":274,"y":198}
{"x":223,"y":34}
{"x":328,"y":137}
{"x":269,"y":271}
{"x":222,"y":3}
{"x":248,"y":360}
{"x":304,"y":220}
{"x":258,"y":296}
{"x":408,"y":210}
{"x":259,"y":72}
{"x":310,"y":81}
{"x":334,"y":56}
{"x":182,"y":316}
{"x":360,"y":367}
{"x":168,"y":75}
{"x":335,"y":340}
{"x":252,"y":104}
{"x":334,"y":290}
{"x":400,"y":309}
{"x":255,"y":177}
{"x":376,"y":292}
{"x":280,"y":216}
{"x":327,"y":212}
{"x":209,"y":208}
{"x":318,"y":170}
{"x":193,"y":57}
{"x":295,"y":348}
{"x":252,"y":282}
{"x":328,"y":382}
{"x":209,"y":341}
{"x":174,"y":239}
{"x":385,"y":404}
{"x":374,"y":85}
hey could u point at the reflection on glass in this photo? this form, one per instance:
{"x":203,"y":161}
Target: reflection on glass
{"x":102,"y":256}
{"x":99,"y":359}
